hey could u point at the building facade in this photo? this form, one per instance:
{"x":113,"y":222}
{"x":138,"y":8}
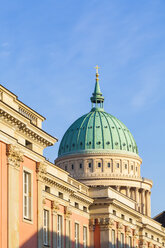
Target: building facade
{"x":93,"y":196}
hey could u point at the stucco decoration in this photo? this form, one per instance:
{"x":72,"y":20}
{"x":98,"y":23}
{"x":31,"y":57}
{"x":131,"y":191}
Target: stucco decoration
{"x":128,"y":230}
{"x":68,"y":212}
{"x":41,"y":169}
{"x":150,"y":245}
{"x":120,"y":226}
{"x":14,"y":155}
{"x":143,"y":243}
{"x":55,"y":206}
{"x":106,"y":223}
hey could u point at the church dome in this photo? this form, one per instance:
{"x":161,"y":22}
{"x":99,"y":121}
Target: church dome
{"x":97,"y":131}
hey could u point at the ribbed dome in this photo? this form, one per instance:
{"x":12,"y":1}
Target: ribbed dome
{"x":97,"y":131}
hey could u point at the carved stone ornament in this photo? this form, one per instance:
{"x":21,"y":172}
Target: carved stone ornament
{"x":136,"y":233}
{"x":68,"y":212}
{"x":143,"y":243}
{"x":91,"y":225}
{"x":106,"y":223}
{"x":120,"y":226}
{"x":150,"y":245}
{"x":55,"y":206}
{"x":14,"y":155}
{"x":128,"y":230}
{"x":41,"y":169}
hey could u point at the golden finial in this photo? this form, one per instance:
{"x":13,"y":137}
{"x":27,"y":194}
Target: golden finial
{"x":97,"y":72}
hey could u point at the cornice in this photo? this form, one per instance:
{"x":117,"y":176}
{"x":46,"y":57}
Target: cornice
{"x":23,"y":128}
{"x":97,"y":152}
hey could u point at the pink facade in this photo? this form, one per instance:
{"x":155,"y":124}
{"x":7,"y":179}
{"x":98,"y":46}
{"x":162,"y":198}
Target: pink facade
{"x":28,"y":234}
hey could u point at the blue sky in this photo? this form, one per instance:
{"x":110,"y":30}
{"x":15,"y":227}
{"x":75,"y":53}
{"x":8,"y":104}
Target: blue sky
{"x":48,"y":50}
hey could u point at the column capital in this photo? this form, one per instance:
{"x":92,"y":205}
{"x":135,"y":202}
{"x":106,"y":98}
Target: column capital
{"x":41,"y":169}
{"x":106,"y":223}
{"x":14,"y":155}
{"x":55,"y":206}
{"x":68,"y":212}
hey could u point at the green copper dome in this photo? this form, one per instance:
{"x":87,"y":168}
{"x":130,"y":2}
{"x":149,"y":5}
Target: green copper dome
{"x":97,"y":131}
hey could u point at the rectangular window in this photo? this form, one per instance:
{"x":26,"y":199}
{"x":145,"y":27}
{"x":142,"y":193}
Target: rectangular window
{"x":76,"y":235}
{"x":84,"y":237}
{"x":122,"y":240}
{"x":109,"y":165}
{"x":46,"y":227}
{"x":26,"y":195}
{"x":113,"y":239}
{"x":59,"y":231}
{"x":130,"y":242}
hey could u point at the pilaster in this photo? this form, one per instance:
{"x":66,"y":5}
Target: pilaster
{"x":15,"y":157}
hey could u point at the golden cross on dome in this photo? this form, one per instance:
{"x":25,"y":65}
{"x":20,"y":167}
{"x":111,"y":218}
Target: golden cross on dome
{"x":97,"y":69}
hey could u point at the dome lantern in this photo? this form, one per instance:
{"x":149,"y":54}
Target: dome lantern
{"x":97,"y":99}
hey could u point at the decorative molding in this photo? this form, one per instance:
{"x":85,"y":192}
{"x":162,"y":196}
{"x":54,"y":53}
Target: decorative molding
{"x":120,"y":226}
{"x":68,"y":212}
{"x":24,"y":129}
{"x":14,"y":155}
{"x":105,"y":223}
{"x":55,"y":206}
{"x":41,"y":169}
{"x":128,"y":230}
{"x":143,"y":243}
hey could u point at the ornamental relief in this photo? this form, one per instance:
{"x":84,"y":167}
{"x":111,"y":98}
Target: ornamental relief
{"x":120,"y":226}
{"x":68,"y":212}
{"x":55,"y":206}
{"x":41,"y":169}
{"x":105,"y":223}
{"x":14,"y":155}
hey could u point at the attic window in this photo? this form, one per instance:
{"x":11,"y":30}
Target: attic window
{"x":84,"y":209}
{"x":65,"y":167}
{"x":99,"y":143}
{"x":72,"y":166}
{"x":125,"y":166}
{"x":81,"y":143}
{"x":60,"y":195}
{"x":117,"y":165}
{"x":47,"y":189}
{"x":76,"y":205}
{"x":90,"y":165}
{"x":109,"y":165}
{"x":73,"y":145}
{"x":99,"y":165}
{"x":80,"y":166}
{"x":89,"y":142}
{"x":28,"y":144}
{"x":108,"y":142}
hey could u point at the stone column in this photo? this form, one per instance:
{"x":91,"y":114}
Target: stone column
{"x":148,"y":203}
{"x":143,"y":202}
{"x":40,"y":171}
{"x":119,"y":230}
{"x":106,"y":225}
{"x":137,"y":198}
{"x":127,"y":234}
{"x":15,"y":157}
{"x":67,"y":235}
{"x":128,"y":191}
{"x":91,"y":232}
{"x":55,"y":208}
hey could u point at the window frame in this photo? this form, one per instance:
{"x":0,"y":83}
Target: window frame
{"x":46,"y":227}
{"x":77,"y":235}
{"x":59,"y":230}
{"x":85,"y":241}
{"x":29,"y":217}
